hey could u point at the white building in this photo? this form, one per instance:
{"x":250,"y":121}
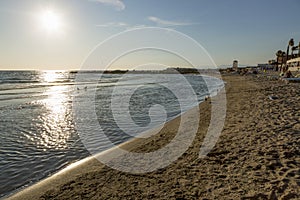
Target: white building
{"x":294,"y":64}
{"x":235,"y":65}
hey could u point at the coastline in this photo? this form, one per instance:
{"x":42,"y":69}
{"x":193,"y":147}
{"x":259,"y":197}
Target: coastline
{"x":256,"y":156}
{"x":91,"y":164}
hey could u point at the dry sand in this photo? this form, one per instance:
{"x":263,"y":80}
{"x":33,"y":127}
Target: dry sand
{"x":256,"y":157}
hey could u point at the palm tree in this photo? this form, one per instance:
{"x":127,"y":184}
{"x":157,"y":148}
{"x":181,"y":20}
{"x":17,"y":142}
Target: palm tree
{"x":279,"y":55}
{"x":283,"y":55}
{"x":299,"y":49}
{"x":291,"y":44}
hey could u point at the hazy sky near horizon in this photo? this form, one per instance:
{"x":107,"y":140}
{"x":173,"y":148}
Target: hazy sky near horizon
{"x":60,"y":34}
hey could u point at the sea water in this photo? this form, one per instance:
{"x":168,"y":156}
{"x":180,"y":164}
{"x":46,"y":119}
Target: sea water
{"x":38,"y":135}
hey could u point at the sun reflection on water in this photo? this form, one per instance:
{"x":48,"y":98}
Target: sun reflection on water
{"x":55,"y":122}
{"x":52,"y":76}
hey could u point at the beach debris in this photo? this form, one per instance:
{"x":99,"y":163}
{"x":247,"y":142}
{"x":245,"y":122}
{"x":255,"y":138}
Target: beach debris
{"x":273,"y":97}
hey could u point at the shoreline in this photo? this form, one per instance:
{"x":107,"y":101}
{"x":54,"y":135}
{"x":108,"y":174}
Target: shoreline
{"x":89,"y":163}
{"x":257,"y":155}
{"x":88,"y":158}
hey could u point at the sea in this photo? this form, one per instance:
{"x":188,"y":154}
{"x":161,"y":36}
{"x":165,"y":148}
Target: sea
{"x":38,"y":133}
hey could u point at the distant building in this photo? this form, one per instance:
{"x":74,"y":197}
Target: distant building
{"x":235,"y":65}
{"x":294,"y":64}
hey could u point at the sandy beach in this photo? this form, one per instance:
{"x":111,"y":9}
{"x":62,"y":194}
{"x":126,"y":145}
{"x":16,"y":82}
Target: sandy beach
{"x":256,"y":157}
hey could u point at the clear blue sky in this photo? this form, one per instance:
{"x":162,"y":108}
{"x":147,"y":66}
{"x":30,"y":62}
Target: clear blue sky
{"x":250,"y":31}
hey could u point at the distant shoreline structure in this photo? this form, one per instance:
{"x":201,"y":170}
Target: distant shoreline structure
{"x":176,"y":70}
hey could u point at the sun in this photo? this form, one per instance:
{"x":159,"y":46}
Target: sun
{"x":50,"y":21}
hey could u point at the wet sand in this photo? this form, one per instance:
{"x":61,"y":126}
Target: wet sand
{"x":256,"y":157}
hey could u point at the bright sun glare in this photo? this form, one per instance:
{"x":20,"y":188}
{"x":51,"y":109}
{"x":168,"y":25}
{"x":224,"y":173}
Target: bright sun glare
{"x":50,"y":21}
